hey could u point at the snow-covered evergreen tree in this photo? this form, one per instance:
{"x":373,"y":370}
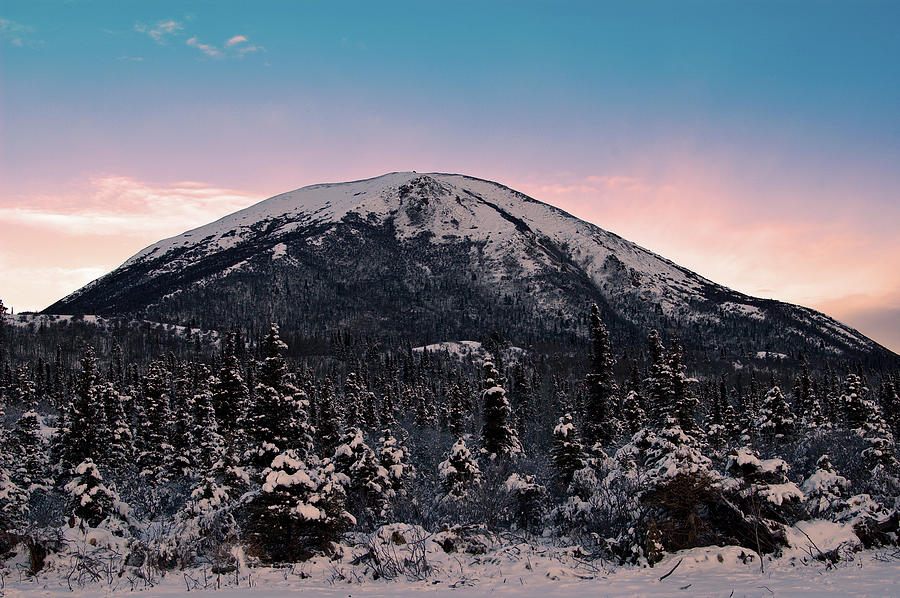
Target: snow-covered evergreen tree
{"x":278,"y":418}
{"x":765,"y":488}
{"x":28,"y":450}
{"x":424,"y":407}
{"x":855,"y":401}
{"x":601,"y":423}
{"x":395,"y":459}
{"x":366,"y":483}
{"x":865,"y":418}
{"x":457,"y":414}
{"x":498,"y":436}
{"x":459,"y":473}
{"x":682,"y":404}
{"x":118,"y":446}
{"x":90,"y":500}
{"x":633,"y":415}
{"x":155,"y":451}
{"x":13,"y":502}
{"x":298,"y":511}
{"x":329,"y":421}
{"x":776,"y":420}
{"x":207,"y":445}
{"x":723,"y":425}
{"x":806,"y":404}
{"x":567,"y":450}
{"x":659,"y":380}
{"x":890,"y":405}
{"x":80,"y":436}
{"x":182,"y":417}
{"x":229,"y":393}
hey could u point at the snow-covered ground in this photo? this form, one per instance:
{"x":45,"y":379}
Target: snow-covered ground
{"x":467,"y":350}
{"x":701,"y":572}
{"x":34,"y":320}
{"x":505,"y":569}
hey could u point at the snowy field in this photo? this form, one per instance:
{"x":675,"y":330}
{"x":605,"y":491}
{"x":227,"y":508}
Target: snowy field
{"x":524,"y":571}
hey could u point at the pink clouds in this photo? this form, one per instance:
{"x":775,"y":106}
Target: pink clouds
{"x":161,"y":31}
{"x":236,"y":46}
{"x":809,"y":257}
{"x":211,"y":51}
{"x":54,"y":244}
{"x":114,"y":205}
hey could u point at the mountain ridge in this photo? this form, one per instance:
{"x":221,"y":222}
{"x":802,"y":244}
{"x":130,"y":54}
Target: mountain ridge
{"x":511,"y":250}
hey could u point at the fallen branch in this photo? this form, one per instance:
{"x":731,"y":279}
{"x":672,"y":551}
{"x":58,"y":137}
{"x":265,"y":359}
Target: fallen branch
{"x":671,"y":571}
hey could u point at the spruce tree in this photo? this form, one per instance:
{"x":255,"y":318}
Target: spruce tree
{"x":395,"y":459}
{"x":499,"y":438}
{"x":229,"y":393}
{"x":566,"y":450}
{"x":155,"y":451}
{"x":457,"y":414}
{"x":277,"y":419}
{"x":459,"y":473}
{"x":30,"y":471}
{"x":89,"y":499}
{"x":865,"y":418}
{"x":208,"y":446}
{"x":13,"y":502}
{"x":825,"y":491}
{"x":118,"y":445}
{"x":601,"y":423}
{"x":855,"y":402}
{"x":890,"y":405}
{"x":633,"y":415}
{"x":353,"y":403}
{"x":330,"y":421}
{"x":682,"y":402}
{"x":182,"y":410}
{"x":366,"y":482}
{"x":298,"y":512}
{"x":81,"y":434}
{"x":659,"y":380}
{"x":775,"y":420}
{"x":803,"y":393}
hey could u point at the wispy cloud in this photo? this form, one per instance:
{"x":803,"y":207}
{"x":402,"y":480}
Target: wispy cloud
{"x":115,"y":206}
{"x":45,"y":283}
{"x":131,"y":58}
{"x":161,"y":31}
{"x":15,"y":33}
{"x":236,"y":46}
{"x":244,"y":50}
{"x":209,"y":50}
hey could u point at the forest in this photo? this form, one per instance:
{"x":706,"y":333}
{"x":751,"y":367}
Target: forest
{"x":187,"y":446}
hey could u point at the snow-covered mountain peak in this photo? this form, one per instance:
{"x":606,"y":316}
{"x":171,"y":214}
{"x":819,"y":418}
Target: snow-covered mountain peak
{"x":440,"y":239}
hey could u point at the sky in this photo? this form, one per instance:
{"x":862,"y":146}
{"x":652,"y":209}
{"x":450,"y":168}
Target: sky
{"x":757,"y":143}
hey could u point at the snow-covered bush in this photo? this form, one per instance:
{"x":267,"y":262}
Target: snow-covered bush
{"x":527,"y":500}
{"x":825,"y":491}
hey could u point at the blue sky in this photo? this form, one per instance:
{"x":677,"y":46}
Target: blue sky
{"x":762,"y":139}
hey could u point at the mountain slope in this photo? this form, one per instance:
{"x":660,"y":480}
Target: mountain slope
{"x":434,"y":257}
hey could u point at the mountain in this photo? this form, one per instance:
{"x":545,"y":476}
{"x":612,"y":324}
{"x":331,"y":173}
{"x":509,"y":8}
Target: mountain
{"x":440,"y":257}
